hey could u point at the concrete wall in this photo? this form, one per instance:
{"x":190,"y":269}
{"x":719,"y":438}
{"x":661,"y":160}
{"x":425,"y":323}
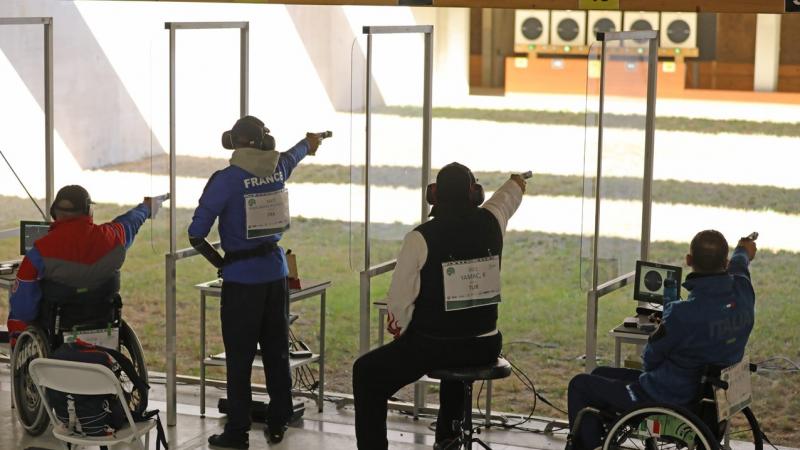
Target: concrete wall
{"x":111,"y":72}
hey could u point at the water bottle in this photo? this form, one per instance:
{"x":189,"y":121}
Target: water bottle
{"x":670,"y":289}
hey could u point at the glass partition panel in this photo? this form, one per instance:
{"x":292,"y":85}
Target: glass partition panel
{"x":358,"y":126}
{"x":590,"y":160}
{"x":22,"y":132}
{"x":207,"y":103}
{"x":395,"y":124}
{"x":617,"y":153}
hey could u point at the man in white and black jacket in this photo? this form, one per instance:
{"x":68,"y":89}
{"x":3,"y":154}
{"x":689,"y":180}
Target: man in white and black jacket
{"x":435,"y":329}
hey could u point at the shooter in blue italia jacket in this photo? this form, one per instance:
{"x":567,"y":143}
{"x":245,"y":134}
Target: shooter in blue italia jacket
{"x":251,"y":202}
{"x":710,"y":328}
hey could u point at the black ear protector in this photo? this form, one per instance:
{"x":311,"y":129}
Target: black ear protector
{"x":476,"y":194}
{"x":262,"y":141}
{"x":254,"y":124}
{"x":85,"y":209}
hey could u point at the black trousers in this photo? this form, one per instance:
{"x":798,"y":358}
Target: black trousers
{"x":380,"y":373}
{"x":607,"y":389}
{"x":256,"y":314}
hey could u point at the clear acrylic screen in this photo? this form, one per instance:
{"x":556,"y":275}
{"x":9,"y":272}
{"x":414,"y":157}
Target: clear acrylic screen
{"x":22,"y":131}
{"x":622,"y":159}
{"x":395,"y":173}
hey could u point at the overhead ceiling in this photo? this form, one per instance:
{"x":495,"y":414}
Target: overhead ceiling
{"x":728,"y":6}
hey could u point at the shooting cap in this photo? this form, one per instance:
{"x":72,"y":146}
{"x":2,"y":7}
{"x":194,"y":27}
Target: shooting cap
{"x":72,"y":198}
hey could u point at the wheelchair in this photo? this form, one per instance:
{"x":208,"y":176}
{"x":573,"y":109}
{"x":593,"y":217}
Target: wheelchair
{"x":707,"y":424}
{"x":67,"y":313}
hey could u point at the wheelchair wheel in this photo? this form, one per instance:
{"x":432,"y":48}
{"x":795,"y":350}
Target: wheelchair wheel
{"x":130,"y":346}
{"x":657,"y":427}
{"x":28,"y":406}
{"x":744,"y":433}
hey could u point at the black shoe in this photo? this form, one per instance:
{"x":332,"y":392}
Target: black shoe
{"x":227,"y":441}
{"x":275,"y":433}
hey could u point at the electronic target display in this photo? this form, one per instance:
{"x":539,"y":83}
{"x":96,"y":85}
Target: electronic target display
{"x":650,"y":279}
{"x":29,"y":232}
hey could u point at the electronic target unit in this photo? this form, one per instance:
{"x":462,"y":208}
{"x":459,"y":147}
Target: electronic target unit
{"x":568,"y":28}
{"x":652,"y":279}
{"x":678,"y":30}
{"x":603,"y":22}
{"x":640,"y":21}
{"x":532,"y":29}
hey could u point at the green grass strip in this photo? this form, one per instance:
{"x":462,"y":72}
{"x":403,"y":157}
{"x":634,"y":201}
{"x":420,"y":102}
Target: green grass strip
{"x":634,"y":121}
{"x":751,"y":198}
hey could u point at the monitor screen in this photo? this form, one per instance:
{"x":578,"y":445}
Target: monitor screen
{"x":649,"y":281}
{"x":29,"y":232}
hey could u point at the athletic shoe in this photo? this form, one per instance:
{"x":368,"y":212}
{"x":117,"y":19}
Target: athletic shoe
{"x":275,"y":434}
{"x":227,"y":441}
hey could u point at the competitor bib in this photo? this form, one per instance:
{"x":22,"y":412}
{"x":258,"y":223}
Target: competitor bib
{"x":739,"y":393}
{"x":267,"y":213}
{"x":471,"y":283}
{"x":108,"y":338}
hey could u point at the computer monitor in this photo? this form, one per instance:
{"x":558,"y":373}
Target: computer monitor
{"x":29,"y":232}
{"x":649,"y":281}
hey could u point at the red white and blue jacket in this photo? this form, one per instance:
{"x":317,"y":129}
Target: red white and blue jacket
{"x":75,"y":252}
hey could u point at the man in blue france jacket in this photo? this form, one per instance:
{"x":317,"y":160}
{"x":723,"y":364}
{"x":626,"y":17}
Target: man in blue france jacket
{"x":251,"y":202}
{"x":710,"y":327}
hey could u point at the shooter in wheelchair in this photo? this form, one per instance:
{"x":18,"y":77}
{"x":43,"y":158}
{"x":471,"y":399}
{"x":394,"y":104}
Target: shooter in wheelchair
{"x":67,"y":289}
{"x":674,"y":401}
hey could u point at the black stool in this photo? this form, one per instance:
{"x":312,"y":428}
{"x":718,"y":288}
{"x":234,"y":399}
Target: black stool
{"x":468,"y":375}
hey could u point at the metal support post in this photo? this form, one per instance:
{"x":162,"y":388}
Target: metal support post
{"x":427,"y":124}
{"x":364,"y":307}
{"x":244,"y":69}
{"x":171,"y":348}
{"x":48,"y":113}
{"x":322,"y":309}
{"x":649,"y":148}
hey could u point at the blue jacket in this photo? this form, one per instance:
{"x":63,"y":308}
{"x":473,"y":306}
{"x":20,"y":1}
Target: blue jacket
{"x":223,"y":197}
{"x":710,"y":327}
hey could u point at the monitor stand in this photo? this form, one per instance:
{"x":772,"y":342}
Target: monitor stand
{"x":650,"y":309}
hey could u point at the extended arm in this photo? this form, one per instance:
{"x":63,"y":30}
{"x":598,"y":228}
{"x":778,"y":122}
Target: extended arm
{"x":131,"y":221}
{"x":405,"y":282}
{"x":504,"y":202}
{"x":740,"y":262}
{"x":291,"y":158}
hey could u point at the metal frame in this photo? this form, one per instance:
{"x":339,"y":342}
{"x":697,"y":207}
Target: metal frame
{"x":48,"y":96}
{"x":427,"y":115}
{"x":174,"y":254}
{"x":597,"y":291}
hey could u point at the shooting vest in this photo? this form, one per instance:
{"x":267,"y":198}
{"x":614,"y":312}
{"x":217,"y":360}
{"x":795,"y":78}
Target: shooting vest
{"x":449,"y":239}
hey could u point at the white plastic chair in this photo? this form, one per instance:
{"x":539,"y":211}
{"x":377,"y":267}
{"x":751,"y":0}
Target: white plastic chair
{"x":86,"y":379}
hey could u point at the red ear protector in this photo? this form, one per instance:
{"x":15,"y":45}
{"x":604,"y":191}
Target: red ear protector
{"x":476,"y":194}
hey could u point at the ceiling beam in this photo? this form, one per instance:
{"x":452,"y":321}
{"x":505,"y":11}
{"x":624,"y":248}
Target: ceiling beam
{"x":724,"y":6}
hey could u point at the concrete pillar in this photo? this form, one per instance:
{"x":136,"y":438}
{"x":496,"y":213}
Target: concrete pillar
{"x":451,"y":55}
{"x":768,"y":51}
{"x":487,"y":47}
